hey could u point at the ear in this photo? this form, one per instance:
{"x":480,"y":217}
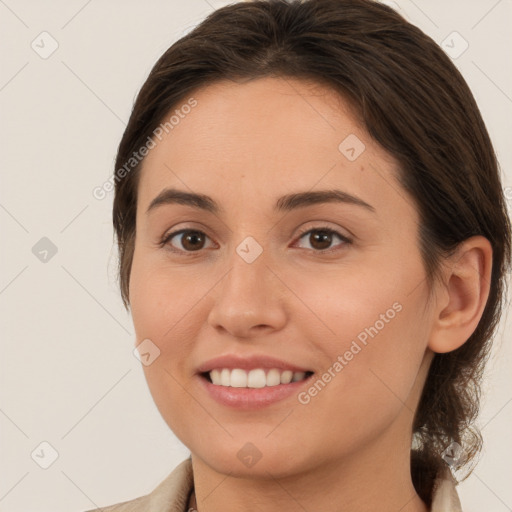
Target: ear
{"x":463,"y":296}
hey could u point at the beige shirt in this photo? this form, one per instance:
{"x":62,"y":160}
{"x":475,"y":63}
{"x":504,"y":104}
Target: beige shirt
{"x":173,"y":493}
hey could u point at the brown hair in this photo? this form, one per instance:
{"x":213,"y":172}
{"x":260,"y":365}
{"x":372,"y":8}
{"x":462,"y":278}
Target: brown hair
{"x":414,"y":102}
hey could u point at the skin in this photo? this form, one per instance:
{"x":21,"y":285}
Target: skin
{"x":245,"y":145}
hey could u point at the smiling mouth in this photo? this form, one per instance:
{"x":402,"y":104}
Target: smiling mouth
{"x":255,"y":378}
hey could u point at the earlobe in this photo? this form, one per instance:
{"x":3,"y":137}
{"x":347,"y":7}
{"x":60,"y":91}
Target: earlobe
{"x":466,"y":290}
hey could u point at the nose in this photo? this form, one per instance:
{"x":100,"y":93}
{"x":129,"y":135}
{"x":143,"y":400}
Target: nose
{"x":249,"y":299}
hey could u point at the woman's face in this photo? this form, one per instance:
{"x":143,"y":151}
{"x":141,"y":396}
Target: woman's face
{"x":259,"y":282}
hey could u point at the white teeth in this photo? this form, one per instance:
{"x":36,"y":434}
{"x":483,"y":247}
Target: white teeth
{"x":298,"y":376}
{"x":256,"y":378}
{"x":225,"y":377}
{"x":273,"y":377}
{"x":215,"y":376}
{"x":286,"y":377}
{"x":238,"y":378}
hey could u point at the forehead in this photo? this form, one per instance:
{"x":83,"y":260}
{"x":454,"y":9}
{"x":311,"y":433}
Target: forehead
{"x":260,"y":136}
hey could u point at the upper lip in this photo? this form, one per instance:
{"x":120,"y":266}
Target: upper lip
{"x":252,"y":362}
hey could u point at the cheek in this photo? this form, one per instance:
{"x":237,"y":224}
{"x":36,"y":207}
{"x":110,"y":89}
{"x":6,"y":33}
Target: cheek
{"x":163,"y":313}
{"x":162,"y":299}
{"x":372,"y":336}
{"x":364,"y":387}
{"x":167,"y":307}
{"x":176,"y":406}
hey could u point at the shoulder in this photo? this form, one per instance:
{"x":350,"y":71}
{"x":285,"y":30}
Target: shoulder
{"x":136,"y":505}
{"x":171,"y":495}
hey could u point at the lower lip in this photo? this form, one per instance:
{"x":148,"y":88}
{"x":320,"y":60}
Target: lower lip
{"x":252,"y":398}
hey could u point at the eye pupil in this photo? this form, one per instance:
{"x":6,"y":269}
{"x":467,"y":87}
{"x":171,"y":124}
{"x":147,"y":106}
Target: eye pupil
{"x":192,"y":236}
{"x":324,"y":237}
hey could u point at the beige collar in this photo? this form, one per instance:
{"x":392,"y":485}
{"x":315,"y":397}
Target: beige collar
{"x":444,"y":496}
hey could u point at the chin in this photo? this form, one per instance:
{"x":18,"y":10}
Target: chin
{"x":260,"y":458}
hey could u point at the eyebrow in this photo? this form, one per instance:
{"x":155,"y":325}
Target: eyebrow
{"x":283,"y":204}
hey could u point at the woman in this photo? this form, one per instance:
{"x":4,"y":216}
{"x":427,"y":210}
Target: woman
{"x":313,"y":245}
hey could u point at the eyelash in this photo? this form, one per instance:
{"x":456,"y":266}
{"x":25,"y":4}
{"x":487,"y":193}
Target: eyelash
{"x":168,"y":237}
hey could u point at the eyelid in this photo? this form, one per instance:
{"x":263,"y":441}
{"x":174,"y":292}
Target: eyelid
{"x":344,"y":238}
{"x":324,"y":225}
{"x":165,"y":240}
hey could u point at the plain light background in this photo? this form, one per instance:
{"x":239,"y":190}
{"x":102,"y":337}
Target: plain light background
{"x":68,"y":376}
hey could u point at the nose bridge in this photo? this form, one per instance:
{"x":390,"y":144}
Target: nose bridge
{"x":248,"y":278}
{"x":247,"y":294}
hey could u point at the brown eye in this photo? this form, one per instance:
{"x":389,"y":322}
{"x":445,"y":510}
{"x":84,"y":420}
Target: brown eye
{"x":320,"y":239}
{"x":190,"y":240}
